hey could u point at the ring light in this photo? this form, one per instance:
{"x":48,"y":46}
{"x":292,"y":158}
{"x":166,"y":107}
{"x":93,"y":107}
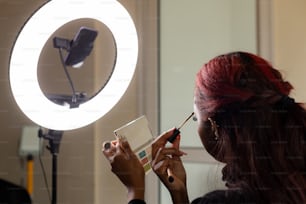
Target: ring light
{"x":30,"y":42}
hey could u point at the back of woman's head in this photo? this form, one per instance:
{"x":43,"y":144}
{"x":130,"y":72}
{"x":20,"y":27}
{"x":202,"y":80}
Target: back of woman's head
{"x":261,"y":129}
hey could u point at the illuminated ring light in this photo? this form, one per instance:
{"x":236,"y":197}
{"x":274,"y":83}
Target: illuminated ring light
{"x":30,"y":42}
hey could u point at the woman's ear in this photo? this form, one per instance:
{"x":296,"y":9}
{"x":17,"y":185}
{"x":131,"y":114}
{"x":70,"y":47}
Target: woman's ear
{"x":216,"y":148}
{"x":205,"y":133}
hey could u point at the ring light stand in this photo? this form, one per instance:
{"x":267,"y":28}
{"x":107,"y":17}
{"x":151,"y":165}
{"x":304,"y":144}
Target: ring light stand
{"x":48,"y":112}
{"x":54,"y":137}
{"x":78,"y":49}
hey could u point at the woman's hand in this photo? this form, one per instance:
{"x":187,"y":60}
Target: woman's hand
{"x":126,"y":166}
{"x":166,"y":161}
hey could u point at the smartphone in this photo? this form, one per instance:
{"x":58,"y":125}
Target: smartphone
{"x":81,"y":46}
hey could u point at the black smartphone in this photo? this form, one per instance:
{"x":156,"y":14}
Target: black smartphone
{"x":81,"y":46}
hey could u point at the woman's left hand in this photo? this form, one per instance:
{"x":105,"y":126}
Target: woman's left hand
{"x":126,"y":166}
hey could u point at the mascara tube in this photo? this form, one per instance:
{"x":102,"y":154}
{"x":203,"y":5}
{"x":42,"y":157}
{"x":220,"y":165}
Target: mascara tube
{"x":176,"y":132}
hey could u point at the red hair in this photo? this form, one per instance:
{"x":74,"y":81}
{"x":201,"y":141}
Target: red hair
{"x":221,"y":80}
{"x":261,"y":141}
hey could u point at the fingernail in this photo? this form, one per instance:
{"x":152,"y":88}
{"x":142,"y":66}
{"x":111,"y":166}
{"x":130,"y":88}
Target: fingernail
{"x":158,"y":165}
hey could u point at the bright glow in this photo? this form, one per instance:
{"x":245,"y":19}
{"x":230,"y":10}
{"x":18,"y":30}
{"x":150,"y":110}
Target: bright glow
{"x":78,"y":65}
{"x":30,"y":42}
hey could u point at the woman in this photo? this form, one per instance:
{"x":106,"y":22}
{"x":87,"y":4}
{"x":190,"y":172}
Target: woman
{"x":246,"y":120}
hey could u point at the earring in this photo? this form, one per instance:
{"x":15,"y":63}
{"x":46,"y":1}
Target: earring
{"x":214,"y":128}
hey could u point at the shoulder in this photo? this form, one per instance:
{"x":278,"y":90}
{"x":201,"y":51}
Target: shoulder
{"x":12,"y":193}
{"x":226,"y":197}
{"x":137,"y":201}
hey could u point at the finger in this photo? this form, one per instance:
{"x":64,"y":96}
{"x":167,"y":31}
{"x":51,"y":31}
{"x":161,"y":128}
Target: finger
{"x":111,"y":159}
{"x":109,"y":150}
{"x":114,"y":142}
{"x":161,"y":141}
{"x":176,"y":142}
{"x":171,"y":151}
{"x":158,"y":165}
{"x":126,"y":148}
{"x":108,"y":147}
{"x":176,"y":145}
{"x":163,"y":138}
{"x":161,"y":167}
{"x":165,"y":154}
{"x":157,"y":158}
{"x":117,"y":146}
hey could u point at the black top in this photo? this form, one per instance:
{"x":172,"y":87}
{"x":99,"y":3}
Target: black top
{"x":225,"y":197}
{"x":218,"y":197}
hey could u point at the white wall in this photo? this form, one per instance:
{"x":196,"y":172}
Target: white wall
{"x":289,"y":43}
{"x":191,"y":33}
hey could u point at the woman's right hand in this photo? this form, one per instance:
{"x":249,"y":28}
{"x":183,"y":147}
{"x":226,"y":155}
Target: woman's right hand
{"x":166,"y":161}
